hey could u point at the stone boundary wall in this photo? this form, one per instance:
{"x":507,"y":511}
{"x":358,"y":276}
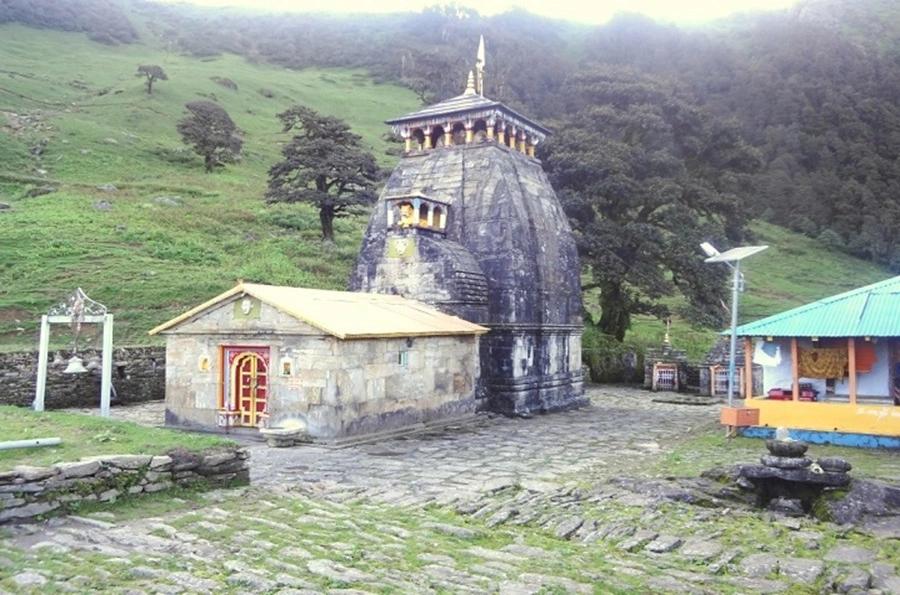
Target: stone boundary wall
{"x":27,"y":492}
{"x":138,"y":374}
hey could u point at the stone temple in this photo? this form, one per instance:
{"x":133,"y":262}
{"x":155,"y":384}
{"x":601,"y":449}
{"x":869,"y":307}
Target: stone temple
{"x":469,"y":223}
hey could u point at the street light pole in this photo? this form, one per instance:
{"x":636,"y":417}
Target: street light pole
{"x":735,"y":290}
{"x":733,"y":259}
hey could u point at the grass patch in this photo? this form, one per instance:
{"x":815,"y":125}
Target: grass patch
{"x":709,"y":449}
{"x":86,"y":435}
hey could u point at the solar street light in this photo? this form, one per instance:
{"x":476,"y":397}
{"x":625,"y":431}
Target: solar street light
{"x":733,"y":259}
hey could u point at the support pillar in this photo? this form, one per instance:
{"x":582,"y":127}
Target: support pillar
{"x":748,"y":368}
{"x":795,"y":374}
{"x":408,"y":144}
{"x":106,"y":378}
{"x":43,"y":354}
{"x":470,"y":135}
{"x":851,"y":366}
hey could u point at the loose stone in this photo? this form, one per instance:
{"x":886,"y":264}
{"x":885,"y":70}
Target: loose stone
{"x":851,"y":554}
{"x":663,"y":544}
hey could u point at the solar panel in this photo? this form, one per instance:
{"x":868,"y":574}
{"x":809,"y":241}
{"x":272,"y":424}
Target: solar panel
{"x":736,"y":254}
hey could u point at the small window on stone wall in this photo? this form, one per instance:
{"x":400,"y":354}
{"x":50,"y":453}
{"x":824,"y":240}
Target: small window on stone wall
{"x":403,"y":358}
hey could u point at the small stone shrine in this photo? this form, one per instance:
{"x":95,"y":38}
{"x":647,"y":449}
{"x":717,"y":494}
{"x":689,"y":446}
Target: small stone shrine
{"x":469,"y":223}
{"x":788,"y":481}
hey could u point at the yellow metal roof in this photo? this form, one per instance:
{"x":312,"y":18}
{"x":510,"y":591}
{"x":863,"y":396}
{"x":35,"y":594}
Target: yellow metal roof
{"x":344,"y":314}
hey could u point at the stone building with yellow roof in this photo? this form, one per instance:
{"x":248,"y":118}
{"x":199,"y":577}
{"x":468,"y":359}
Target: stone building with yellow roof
{"x":337,"y":365}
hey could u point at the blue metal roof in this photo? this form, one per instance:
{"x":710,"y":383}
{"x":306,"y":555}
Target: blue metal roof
{"x":870,"y":311}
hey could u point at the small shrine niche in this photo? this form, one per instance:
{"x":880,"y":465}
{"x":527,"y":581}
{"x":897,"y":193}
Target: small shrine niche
{"x":417,"y":212}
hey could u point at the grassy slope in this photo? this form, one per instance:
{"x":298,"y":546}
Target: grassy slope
{"x":145,"y":261}
{"x":795,"y":270}
{"x":149,"y":262}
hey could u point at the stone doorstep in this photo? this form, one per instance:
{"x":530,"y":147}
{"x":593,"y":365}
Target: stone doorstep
{"x":411,"y":430}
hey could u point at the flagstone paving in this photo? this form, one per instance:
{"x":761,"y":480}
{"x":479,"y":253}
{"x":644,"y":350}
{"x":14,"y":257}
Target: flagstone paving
{"x":508,"y":506}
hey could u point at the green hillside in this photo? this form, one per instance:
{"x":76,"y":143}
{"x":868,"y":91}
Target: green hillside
{"x":144,"y":257}
{"x":169,"y":236}
{"x":795,"y":270}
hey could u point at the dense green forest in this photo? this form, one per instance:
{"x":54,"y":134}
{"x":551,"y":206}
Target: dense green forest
{"x":665,"y":135}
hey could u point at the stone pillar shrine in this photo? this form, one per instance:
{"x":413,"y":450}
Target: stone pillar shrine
{"x":469,"y":223}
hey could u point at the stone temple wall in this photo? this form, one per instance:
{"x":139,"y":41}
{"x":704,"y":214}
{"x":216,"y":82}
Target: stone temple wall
{"x":337,"y":389}
{"x":139,"y":374}
{"x":503,"y":212}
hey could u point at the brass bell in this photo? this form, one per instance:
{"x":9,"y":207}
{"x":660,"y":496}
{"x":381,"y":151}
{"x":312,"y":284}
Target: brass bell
{"x":76,"y":366}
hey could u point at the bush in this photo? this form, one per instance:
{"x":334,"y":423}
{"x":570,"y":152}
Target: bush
{"x":832,"y":239}
{"x":608,"y":360}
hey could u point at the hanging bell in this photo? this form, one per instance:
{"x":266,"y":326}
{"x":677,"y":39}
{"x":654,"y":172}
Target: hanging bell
{"x":76,"y":366}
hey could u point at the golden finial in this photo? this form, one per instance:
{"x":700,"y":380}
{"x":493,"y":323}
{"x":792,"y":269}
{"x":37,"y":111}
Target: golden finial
{"x":470,"y":84}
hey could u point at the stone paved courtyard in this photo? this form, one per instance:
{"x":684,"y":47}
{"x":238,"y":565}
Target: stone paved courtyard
{"x":511,"y":506}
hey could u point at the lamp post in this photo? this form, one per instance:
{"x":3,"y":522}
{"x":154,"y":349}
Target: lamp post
{"x":733,"y":259}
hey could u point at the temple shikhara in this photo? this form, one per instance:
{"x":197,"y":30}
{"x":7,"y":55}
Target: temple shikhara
{"x":469,"y":223}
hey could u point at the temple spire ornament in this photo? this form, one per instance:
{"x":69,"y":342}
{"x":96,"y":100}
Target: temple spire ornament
{"x":470,"y":84}
{"x":479,"y":67}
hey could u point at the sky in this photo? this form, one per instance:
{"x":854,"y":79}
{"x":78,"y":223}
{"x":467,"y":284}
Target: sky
{"x":584,"y":11}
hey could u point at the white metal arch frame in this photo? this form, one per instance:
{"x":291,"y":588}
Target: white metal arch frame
{"x":78,"y":309}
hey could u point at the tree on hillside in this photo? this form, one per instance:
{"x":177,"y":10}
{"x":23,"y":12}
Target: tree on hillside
{"x":211,"y":133}
{"x":152,"y":73}
{"x":325,"y":165}
{"x":645,"y":177}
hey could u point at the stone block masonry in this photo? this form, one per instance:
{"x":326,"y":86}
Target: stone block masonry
{"x":138,"y":375}
{"x":28,"y":492}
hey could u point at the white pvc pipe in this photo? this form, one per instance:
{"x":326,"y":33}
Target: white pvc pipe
{"x":29,"y":443}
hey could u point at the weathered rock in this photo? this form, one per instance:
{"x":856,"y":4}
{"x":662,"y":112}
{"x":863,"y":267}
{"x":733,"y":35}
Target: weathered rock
{"x":788,"y":506}
{"x":28,"y":511}
{"x":102,"y":205}
{"x":663,"y":544}
{"x":759,"y":565}
{"x":29,"y":579}
{"x":786,"y":448}
{"x":700,"y":549}
{"x":256,"y":582}
{"x":638,"y":540}
{"x":77,"y":469}
{"x":40,"y":191}
{"x":567,"y":528}
{"x":865,"y":500}
{"x":29,"y":473}
{"x":336,"y":572}
{"x":785,"y":462}
{"x":167,"y":201}
{"x":835,"y":464}
{"x":801,"y":570}
{"x":857,"y":579}
{"x":884,"y":527}
{"x":824,"y":479}
{"x":453,"y":530}
{"x":850,"y":554}
{"x":123,"y":461}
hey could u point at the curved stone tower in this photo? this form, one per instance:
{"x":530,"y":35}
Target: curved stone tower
{"x":468,"y":222}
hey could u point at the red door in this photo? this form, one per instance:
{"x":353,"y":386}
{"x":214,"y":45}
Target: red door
{"x":246,"y":387}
